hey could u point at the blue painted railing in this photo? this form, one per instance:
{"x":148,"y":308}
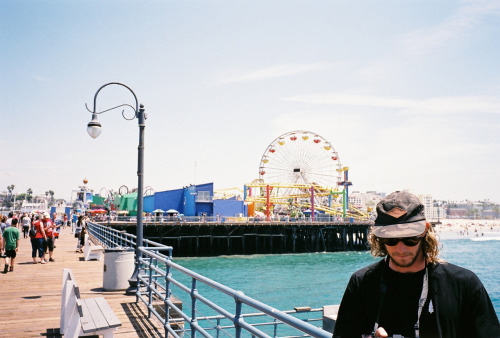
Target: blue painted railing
{"x":157,"y":282}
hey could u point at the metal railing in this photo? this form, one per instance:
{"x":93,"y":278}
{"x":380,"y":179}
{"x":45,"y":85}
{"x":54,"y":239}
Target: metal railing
{"x":203,"y":198}
{"x":217,"y":323}
{"x":232,"y":219}
{"x":160,"y":291}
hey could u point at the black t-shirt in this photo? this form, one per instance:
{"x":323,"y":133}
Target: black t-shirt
{"x":400,"y":303}
{"x":457,"y":304}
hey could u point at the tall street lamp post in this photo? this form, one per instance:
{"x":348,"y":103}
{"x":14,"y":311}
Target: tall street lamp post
{"x":94,"y":129}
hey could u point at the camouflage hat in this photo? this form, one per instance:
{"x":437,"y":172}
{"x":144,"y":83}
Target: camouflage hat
{"x":399,"y":214}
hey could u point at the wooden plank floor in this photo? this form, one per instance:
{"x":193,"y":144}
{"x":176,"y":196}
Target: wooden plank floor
{"x":30,"y":296}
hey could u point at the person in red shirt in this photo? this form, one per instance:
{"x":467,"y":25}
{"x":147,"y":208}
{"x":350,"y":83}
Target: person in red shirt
{"x":37,"y":241}
{"x":49,"y":227}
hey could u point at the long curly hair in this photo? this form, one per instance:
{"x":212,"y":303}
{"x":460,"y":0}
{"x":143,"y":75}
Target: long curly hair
{"x":430,"y":246}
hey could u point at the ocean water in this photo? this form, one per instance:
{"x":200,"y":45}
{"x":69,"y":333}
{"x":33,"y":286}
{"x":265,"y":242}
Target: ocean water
{"x":317,"y":279}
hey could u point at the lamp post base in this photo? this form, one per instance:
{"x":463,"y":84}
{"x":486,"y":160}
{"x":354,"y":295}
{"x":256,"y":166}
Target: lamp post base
{"x":133,"y":282}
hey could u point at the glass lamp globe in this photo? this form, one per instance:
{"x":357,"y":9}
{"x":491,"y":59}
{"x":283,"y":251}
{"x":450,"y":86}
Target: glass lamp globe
{"x":94,"y":127}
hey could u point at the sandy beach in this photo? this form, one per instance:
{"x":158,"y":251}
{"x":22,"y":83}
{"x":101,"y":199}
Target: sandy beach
{"x":480,"y":229}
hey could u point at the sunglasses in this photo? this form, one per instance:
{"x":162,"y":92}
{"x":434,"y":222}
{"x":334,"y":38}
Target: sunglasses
{"x":408,"y":241}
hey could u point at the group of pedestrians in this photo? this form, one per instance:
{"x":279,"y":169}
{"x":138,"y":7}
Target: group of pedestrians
{"x":43,"y":239}
{"x":43,"y":232}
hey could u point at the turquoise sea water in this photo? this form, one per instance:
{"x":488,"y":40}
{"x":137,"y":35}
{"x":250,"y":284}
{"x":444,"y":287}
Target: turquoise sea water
{"x":317,"y":279}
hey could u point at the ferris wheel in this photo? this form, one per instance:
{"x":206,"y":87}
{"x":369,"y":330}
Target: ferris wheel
{"x":297,"y":159}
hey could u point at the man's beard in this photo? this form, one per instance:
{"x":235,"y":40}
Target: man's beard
{"x":406,"y":265}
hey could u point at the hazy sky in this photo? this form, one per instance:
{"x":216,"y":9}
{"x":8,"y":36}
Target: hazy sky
{"x":406,"y":91}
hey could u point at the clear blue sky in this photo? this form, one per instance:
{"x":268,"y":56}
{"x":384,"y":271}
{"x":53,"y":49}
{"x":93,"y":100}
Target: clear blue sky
{"x":406,"y":91}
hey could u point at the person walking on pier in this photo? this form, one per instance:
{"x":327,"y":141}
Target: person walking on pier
{"x":3,"y":224}
{"x":26,"y":222}
{"x":1,"y":246}
{"x":39,"y":240}
{"x":73,"y":222}
{"x":80,"y":224}
{"x":11,"y":237}
{"x":82,"y":238}
{"x":412,"y":293}
{"x":48,"y":245}
{"x":8,"y":221}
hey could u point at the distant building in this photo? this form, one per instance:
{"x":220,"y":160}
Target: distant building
{"x":433,"y":210}
{"x":366,"y":201}
{"x":457,"y":212}
{"x":356,"y":200}
{"x":428,"y":203}
{"x":32,"y":207}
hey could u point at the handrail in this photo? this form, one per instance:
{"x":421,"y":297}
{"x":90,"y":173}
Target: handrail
{"x":235,"y":219}
{"x":218,"y":327}
{"x":156,"y":281}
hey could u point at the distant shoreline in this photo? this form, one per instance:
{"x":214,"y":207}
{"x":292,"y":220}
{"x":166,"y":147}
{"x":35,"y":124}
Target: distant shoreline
{"x":468,"y":228}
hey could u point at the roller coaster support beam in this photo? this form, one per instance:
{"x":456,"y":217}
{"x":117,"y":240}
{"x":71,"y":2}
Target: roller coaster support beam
{"x":344,"y":203}
{"x":268,"y":204}
{"x":343,"y":200}
{"x":312,"y":204}
{"x":346,"y":185}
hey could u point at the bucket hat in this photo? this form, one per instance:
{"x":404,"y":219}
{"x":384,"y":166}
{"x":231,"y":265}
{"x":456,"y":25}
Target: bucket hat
{"x":399,"y":214}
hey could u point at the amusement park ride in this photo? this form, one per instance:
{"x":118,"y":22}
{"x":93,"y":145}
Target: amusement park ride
{"x":301,"y":171}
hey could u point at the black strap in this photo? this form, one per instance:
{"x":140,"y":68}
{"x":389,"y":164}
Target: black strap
{"x":383,"y":291}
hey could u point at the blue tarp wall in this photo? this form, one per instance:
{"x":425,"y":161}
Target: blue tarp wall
{"x":67,"y":210}
{"x":229,"y":207}
{"x":171,"y":199}
{"x":204,"y":208}
{"x":149,"y":203}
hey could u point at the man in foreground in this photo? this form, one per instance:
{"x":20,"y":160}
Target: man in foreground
{"x":411,"y":293}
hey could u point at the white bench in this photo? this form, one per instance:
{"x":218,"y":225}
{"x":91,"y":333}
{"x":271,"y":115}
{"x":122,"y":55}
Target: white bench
{"x":84,"y":317}
{"x":91,"y":251}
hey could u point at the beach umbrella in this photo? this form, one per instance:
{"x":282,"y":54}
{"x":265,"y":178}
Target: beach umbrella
{"x":98,"y":211}
{"x":158,"y":211}
{"x":172,"y":211}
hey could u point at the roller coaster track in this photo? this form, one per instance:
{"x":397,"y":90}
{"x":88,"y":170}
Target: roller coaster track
{"x":336,"y":209}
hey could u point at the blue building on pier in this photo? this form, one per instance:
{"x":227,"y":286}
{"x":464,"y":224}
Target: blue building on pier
{"x":194,"y":200}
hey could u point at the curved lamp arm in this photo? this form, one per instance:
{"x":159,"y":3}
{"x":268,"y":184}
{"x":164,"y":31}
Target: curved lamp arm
{"x":120,"y":84}
{"x":94,"y":126}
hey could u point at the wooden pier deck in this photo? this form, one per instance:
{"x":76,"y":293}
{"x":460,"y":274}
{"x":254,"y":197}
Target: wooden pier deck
{"x":30,"y":296}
